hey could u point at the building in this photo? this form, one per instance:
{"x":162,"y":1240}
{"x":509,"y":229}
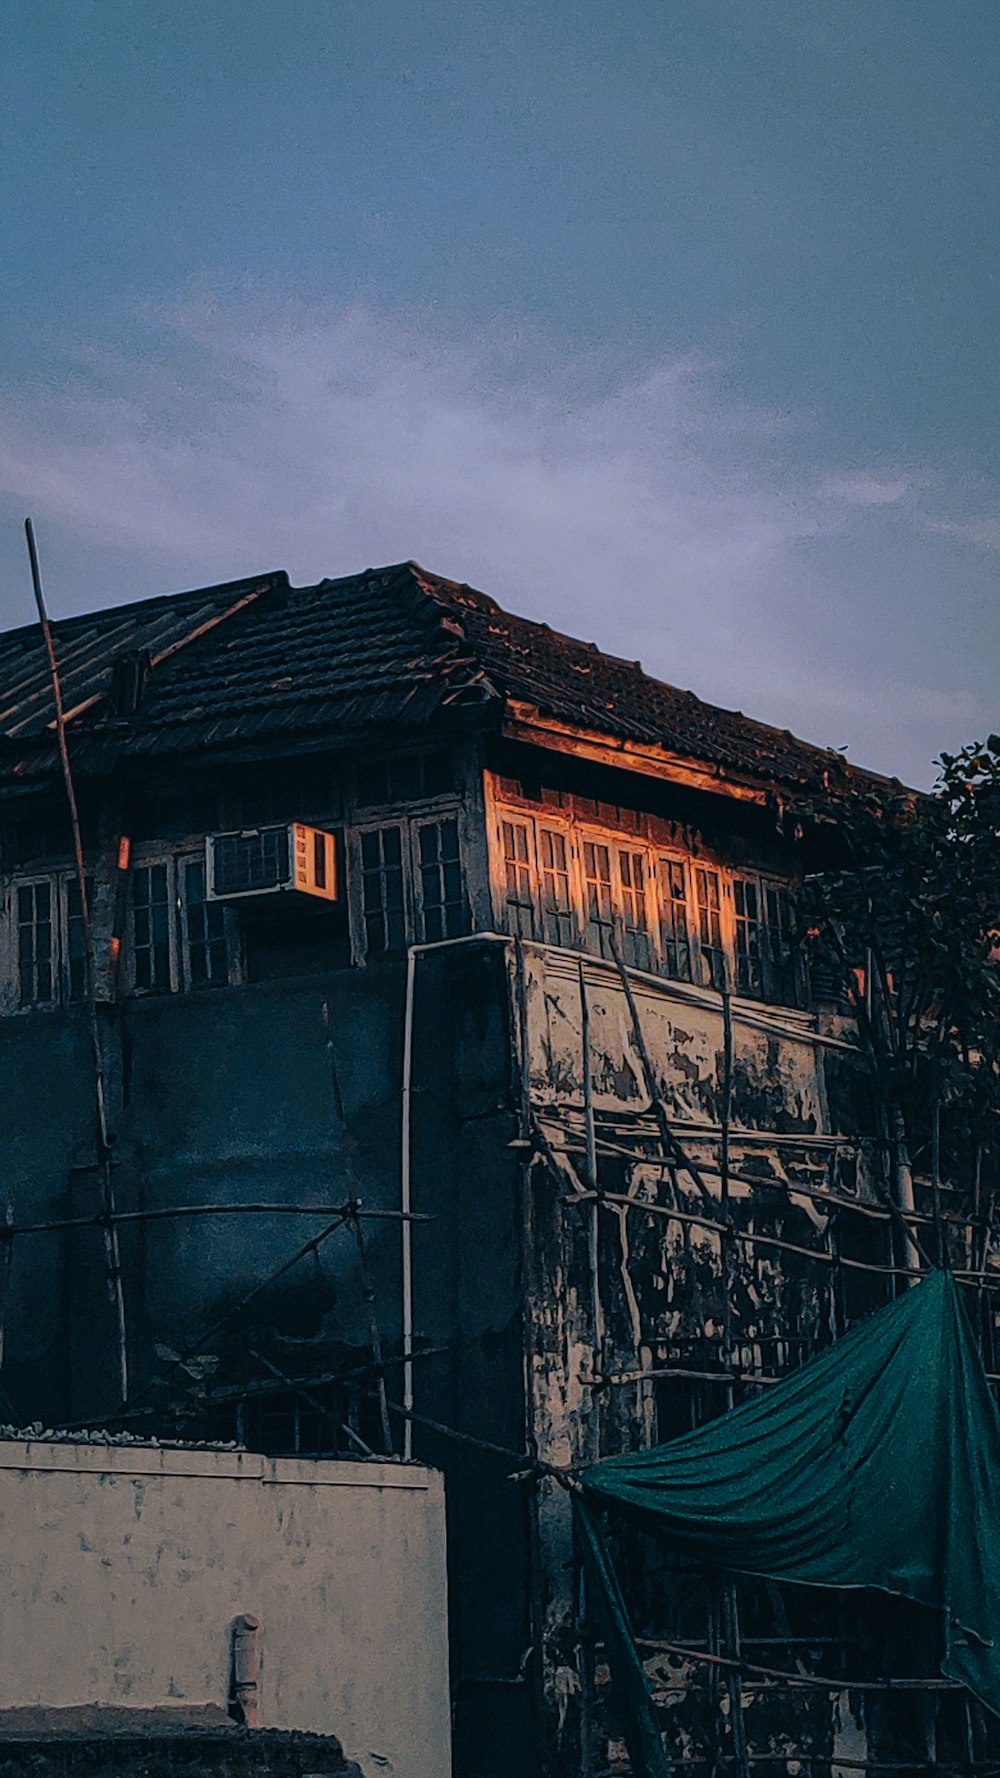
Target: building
{"x":428,"y":1157}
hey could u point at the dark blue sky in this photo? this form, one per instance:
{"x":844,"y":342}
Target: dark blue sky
{"x":674,"y":323}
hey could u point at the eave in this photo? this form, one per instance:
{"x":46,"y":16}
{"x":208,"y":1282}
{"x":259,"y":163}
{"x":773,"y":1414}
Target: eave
{"x":527,"y":725}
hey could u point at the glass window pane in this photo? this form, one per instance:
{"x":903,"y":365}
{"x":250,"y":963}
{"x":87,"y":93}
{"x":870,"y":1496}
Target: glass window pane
{"x":383,"y":889}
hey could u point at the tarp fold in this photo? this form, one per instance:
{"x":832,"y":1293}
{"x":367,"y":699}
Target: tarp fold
{"x":877,"y":1465}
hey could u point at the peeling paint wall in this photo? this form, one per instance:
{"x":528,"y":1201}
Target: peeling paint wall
{"x":122,"y":1570}
{"x":630,"y":1295}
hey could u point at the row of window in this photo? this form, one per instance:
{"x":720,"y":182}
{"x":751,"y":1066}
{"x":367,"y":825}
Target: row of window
{"x":558,"y":883}
{"x":666,"y":913}
{"x":410,"y":877}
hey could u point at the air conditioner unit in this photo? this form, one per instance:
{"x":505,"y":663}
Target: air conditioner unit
{"x":257,"y":861}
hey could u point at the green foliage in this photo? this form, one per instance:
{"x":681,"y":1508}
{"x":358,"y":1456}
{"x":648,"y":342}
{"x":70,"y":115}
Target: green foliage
{"x":914,"y":917}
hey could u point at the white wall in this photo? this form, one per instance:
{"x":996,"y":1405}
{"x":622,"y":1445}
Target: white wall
{"x":123,"y":1567}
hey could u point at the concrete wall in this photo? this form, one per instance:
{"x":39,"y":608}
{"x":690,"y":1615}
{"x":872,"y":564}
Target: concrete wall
{"x":123,"y":1568}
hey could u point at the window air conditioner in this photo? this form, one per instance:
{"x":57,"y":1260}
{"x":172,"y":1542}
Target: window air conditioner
{"x":292,"y":859}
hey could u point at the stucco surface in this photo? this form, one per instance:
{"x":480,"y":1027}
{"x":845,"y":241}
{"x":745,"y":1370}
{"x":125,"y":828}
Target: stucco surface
{"x":122,"y":1570}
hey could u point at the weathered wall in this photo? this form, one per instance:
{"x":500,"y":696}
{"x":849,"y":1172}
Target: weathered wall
{"x":224,"y":1098}
{"x":229,"y":1098}
{"x":624,"y":1291}
{"x":469,"y":1312}
{"x":122,"y":1570}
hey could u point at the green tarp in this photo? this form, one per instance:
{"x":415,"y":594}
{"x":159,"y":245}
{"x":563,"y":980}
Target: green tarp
{"x":876,"y":1465}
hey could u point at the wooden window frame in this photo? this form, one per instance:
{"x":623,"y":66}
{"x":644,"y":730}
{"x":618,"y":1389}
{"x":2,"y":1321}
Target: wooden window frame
{"x":180,"y":978}
{"x":410,"y":824}
{"x":61,"y":885}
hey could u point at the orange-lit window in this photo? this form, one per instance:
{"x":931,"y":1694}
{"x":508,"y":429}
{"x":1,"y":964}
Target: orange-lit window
{"x":558,"y":920}
{"x":635,"y":924}
{"x":708,"y":909}
{"x":519,"y":901}
{"x":599,"y":928}
{"x":673,"y":887}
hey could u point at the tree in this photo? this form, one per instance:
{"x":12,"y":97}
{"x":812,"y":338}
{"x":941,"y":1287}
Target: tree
{"x":912,"y":913}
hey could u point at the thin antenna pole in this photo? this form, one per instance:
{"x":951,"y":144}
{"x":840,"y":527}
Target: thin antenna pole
{"x":104,"y":1142}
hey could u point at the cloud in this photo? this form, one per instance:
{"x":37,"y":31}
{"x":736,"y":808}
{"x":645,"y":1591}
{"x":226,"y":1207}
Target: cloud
{"x":656,"y":513}
{"x":866,"y":490}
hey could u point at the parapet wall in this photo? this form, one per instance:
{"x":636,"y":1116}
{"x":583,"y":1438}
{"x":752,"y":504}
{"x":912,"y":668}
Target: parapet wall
{"x":123,"y":1569}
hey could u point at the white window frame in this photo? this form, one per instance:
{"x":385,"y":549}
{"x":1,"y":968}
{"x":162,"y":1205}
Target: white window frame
{"x":436,"y":818}
{"x":410,"y":822}
{"x":58,"y":882}
{"x":179,"y":961}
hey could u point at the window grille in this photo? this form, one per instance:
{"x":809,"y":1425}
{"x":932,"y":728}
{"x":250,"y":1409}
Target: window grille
{"x":599,"y":929}
{"x":708,"y":907}
{"x":635,"y":933}
{"x":35,"y":944}
{"x":205,"y":931}
{"x":515,"y":839}
{"x":673,"y":887}
{"x":779,"y":910}
{"x":151,"y":912}
{"x":558,"y":922}
{"x":749,"y":937}
{"x":383,"y":889}
{"x":442,"y":896}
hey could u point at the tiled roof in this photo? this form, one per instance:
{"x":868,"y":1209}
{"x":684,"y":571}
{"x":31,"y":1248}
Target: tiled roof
{"x":394,"y":646}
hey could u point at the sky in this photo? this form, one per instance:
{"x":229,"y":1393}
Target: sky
{"x":672,"y":324}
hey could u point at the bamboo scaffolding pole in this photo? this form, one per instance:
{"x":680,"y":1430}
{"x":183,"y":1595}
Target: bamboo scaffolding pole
{"x":164,"y":1213}
{"x":668,"y":1136}
{"x":703,"y":1658}
{"x":819,"y":1194}
{"x":104,"y":1142}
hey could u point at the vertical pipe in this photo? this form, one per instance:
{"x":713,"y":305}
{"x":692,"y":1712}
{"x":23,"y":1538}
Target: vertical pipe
{"x":405,"y":1196}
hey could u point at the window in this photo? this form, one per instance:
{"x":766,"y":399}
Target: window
{"x":782,"y":963}
{"x":442,"y":895}
{"x":635,"y":926}
{"x":765,"y":949}
{"x":749,"y":937}
{"x":405,"y":777}
{"x":599,"y":930}
{"x":673,"y":888}
{"x":36,"y":962}
{"x":558,"y":919}
{"x":693,"y":921}
{"x":51,"y":960}
{"x":708,"y":908}
{"x":205,"y":931}
{"x":151,"y":942}
{"x":515,"y":841}
{"x":383,"y":889}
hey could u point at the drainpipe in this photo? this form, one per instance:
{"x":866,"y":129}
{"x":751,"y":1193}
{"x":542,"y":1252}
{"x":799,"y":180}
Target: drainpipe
{"x":405,"y":1156}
